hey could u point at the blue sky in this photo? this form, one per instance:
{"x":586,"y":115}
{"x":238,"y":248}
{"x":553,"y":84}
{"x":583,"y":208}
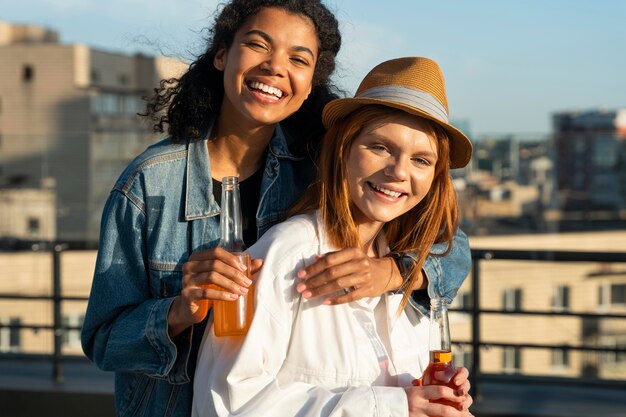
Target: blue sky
{"x":508,"y":64}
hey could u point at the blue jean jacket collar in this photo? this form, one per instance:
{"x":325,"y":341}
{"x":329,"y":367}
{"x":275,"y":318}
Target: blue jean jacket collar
{"x":199,"y":201}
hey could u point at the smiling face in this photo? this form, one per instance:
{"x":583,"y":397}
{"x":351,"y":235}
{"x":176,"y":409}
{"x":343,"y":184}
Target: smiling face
{"x":390,"y":169}
{"x":268,"y":69}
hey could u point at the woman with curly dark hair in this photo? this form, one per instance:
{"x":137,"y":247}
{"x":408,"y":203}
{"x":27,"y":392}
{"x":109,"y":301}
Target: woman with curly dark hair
{"x":250,"y":106}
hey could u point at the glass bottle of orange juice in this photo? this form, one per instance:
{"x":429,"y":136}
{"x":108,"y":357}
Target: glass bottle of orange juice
{"x":232,"y":318}
{"x":440,"y":369}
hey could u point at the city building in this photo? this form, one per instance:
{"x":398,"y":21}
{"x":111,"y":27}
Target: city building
{"x":509,"y":187}
{"x":68,"y":113}
{"x":544,"y":286}
{"x":591,"y":163}
{"x":27,"y":214}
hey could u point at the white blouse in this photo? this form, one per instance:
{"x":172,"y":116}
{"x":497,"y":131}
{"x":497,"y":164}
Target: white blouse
{"x":303,"y":358}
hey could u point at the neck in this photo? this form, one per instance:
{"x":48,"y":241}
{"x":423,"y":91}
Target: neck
{"x":368,"y":233}
{"x":236,"y":150}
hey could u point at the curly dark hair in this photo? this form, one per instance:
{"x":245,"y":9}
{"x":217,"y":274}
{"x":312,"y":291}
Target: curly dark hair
{"x":184,"y":103}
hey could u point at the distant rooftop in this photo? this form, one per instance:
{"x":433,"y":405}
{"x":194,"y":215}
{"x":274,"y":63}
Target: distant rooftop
{"x":11,"y":34}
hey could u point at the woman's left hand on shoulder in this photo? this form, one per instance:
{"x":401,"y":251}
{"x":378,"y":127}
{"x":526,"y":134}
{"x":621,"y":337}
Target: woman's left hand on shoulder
{"x":349,"y":272}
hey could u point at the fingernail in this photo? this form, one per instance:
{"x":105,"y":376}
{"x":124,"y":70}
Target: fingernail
{"x":246,"y":280}
{"x":234,"y":296}
{"x":300,"y":287}
{"x":326,"y":302}
{"x":243,"y":290}
{"x":307,"y":294}
{"x":301,"y":273}
{"x":243,"y":267}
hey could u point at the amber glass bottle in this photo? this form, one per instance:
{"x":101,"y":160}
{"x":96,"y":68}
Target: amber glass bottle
{"x":232,"y":318}
{"x":440,"y":369}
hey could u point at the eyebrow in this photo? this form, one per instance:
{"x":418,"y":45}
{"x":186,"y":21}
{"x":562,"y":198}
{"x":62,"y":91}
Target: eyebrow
{"x":269,"y":39}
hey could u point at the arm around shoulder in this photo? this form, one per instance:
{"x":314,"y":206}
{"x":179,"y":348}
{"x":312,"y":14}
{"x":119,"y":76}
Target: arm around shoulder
{"x":444,"y":274}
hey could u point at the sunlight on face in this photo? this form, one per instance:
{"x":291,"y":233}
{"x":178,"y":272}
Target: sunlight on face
{"x":268,"y":69}
{"x":390,"y":169}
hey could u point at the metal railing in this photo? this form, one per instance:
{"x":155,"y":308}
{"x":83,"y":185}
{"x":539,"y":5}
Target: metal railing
{"x":479,"y":255}
{"x":57,"y":358}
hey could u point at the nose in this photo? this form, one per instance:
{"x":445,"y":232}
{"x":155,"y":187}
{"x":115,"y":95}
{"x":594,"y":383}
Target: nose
{"x":396,"y":169}
{"x":274,"y":64}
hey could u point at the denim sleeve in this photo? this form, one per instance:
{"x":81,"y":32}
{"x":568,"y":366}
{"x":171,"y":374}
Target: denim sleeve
{"x":125,"y":328}
{"x":445,"y":274}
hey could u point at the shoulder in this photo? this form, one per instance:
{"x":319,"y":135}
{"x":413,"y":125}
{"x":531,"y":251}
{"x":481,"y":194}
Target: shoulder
{"x":292,"y":240}
{"x":156,"y":158}
{"x":285,"y":248}
{"x":297,"y":228}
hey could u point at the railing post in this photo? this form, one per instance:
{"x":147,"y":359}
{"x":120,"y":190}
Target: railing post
{"x":475,"y":389}
{"x":57,"y":355}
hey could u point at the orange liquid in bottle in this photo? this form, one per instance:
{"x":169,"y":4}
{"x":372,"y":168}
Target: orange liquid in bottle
{"x":440,"y":369}
{"x":233,"y":318}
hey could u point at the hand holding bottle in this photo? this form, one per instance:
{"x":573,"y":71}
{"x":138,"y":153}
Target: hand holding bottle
{"x":233,"y":317}
{"x":222,"y":274}
{"x":203,"y":273}
{"x":437,"y":400}
{"x":452,"y":385}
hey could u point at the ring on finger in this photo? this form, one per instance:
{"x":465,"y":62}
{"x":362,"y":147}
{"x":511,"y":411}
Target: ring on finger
{"x":348,"y":290}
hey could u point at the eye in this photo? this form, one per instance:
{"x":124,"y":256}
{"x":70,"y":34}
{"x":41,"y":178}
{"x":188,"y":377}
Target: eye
{"x":419,"y":160}
{"x":256,"y":45}
{"x":378,"y":148}
{"x":301,"y":61}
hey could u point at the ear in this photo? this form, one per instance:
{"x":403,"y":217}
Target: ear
{"x":219,"y":62}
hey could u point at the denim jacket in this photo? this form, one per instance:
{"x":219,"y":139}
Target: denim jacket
{"x":159,"y":212}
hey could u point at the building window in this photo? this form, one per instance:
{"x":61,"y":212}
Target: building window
{"x":466,"y":300}
{"x":105,"y":104}
{"x":9,"y":334}
{"x":28,"y":73}
{"x":618,"y":294}
{"x":132,"y":105}
{"x":123,"y":79}
{"x":71,"y":336}
{"x":612,"y":295}
{"x":560,"y":358}
{"x":512,"y":299}
{"x":95,"y":76}
{"x":603,"y":295}
{"x":463,"y":358}
{"x":560,"y":299}
{"x":463,"y":300}
{"x":511,"y":359}
{"x":614,"y":358}
{"x":34,"y":226}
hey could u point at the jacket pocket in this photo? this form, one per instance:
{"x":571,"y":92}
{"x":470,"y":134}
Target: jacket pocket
{"x":165,"y":279}
{"x":138,"y":392}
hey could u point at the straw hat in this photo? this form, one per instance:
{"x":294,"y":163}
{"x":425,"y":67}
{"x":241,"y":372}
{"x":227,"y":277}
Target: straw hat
{"x":412,"y":84}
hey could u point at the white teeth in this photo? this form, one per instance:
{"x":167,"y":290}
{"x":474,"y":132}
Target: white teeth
{"x":390,"y":193}
{"x":266,"y":88}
